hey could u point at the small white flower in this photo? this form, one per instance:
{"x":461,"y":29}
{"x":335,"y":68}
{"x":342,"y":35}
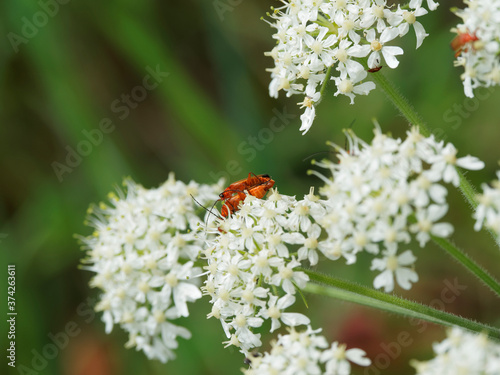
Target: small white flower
{"x":320,"y":48}
{"x":426,"y":223}
{"x":310,"y":112}
{"x":344,"y":53}
{"x":444,"y":164}
{"x":242,"y":323}
{"x":287,"y":277}
{"x":307,"y":119}
{"x":275,"y":312}
{"x":393,"y":265}
{"x":309,"y":245}
{"x":410,"y":18}
{"x":348,"y":85}
{"x":305,"y":353}
{"x":378,"y":47}
{"x":337,"y":359}
{"x":376,"y":12}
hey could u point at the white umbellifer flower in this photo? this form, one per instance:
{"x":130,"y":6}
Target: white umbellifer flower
{"x":392,"y":265}
{"x":411,"y":20}
{"x":347,"y":86}
{"x":338,"y":359}
{"x":307,"y":117}
{"x":307,"y":352}
{"x":477,"y":44}
{"x":142,"y":253}
{"x":252,"y":264}
{"x":443,"y":164}
{"x":488,"y":210}
{"x":377,"y":46}
{"x":383,"y":194}
{"x":319,"y":40}
{"x":462,"y":353}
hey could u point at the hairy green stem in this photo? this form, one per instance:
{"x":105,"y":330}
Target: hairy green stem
{"x":345,"y":290}
{"x":468,"y":263}
{"x":400,"y":102}
{"x":468,"y":191}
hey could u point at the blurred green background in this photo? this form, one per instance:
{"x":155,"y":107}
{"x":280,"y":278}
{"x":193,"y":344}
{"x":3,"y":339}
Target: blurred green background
{"x":211,"y":116}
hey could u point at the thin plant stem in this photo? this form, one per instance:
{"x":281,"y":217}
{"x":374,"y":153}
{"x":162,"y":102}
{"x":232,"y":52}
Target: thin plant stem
{"x":347,"y":291}
{"x":468,"y":263}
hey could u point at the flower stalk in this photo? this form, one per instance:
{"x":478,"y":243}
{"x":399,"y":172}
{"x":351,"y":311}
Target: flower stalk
{"x":351,"y":292}
{"x":468,"y":263}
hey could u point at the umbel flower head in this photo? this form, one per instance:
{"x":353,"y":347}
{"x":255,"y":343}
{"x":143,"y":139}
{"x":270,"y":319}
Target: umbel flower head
{"x":252,"y":265}
{"x":381,"y":195}
{"x":142,"y":253}
{"x":462,"y":353}
{"x":322,"y":40}
{"x":477,"y":44}
{"x":376,"y":199}
{"x":306,"y":352}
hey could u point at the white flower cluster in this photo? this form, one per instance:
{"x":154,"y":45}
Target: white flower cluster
{"x":477,"y":44}
{"x":488,"y":210}
{"x":316,"y":38}
{"x":462,"y":353}
{"x":299,"y":353}
{"x":381,"y":194}
{"x":142,"y":252}
{"x":252,"y":274}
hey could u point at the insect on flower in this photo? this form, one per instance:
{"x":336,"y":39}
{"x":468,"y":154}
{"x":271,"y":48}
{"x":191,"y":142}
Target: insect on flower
{"x":234,"y":194}
{"x":256,"y":185}
{"x":376,"y":67}
{"x":247,"y":183}
{"x":461,"y":42}
{"x":374,"y":70}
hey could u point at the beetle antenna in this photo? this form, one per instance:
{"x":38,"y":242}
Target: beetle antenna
{"x":208,"y":210}
{"x":317,"y":153}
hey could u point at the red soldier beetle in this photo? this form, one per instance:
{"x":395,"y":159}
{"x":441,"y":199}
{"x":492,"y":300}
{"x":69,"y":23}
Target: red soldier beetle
{"x":233,"y":197}
{"x":248,"y":183}
{"x":461,"y":41}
